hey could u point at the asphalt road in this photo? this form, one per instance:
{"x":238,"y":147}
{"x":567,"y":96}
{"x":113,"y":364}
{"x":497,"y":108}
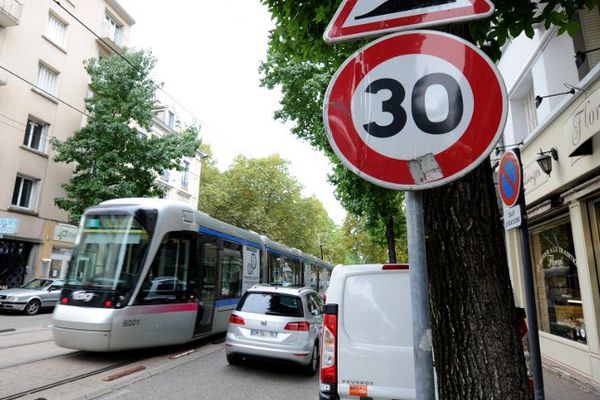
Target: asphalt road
{"x":12,"y":320}
{"x":212,"y":378}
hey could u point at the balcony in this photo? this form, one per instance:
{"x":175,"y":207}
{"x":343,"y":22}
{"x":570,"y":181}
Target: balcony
{"x":10,"y":12}
{"x":110,"y":35}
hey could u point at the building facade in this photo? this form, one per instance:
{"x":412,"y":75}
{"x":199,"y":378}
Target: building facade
{"x":42,"y":96}
{"x":553,"y":82}
{"x":181,"y":185}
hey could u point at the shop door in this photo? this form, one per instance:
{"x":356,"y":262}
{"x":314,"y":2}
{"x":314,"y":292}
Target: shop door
{"x":13,"y":262}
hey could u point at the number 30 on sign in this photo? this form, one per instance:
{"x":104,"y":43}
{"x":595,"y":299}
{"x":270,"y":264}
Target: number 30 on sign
{"x":415,"y":110}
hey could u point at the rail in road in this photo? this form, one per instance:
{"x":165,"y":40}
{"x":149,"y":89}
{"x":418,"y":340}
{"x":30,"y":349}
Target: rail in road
{"x":31,"y":364}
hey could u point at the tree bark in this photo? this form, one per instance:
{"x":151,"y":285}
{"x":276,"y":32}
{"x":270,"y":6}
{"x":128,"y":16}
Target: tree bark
{"x":476,"y":349}
{"x":389,"y":234}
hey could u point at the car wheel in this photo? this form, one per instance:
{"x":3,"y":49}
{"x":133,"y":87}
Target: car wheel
{"x":234,"y":359}
{"x":313,"y":365}
{"x":33,"y":307}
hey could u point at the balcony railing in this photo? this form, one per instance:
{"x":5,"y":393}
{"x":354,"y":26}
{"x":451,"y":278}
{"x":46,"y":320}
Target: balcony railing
{"x":112,"y":35}
{"x":10,"y":12}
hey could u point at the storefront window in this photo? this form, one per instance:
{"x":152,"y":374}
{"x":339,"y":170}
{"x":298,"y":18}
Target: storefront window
{"x":560,"y":310}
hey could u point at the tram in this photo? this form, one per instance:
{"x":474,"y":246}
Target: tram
{"x":152,"y":272}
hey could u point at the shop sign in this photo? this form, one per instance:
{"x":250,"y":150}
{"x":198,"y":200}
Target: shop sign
{"x":554,"y":258}
{"x":65,"y":233}
{"x":533,"y":177}
{"x":251,"y":270}
{"x":512,"y":217}
{"x":9,"y":225}
{"x":582,"y":124}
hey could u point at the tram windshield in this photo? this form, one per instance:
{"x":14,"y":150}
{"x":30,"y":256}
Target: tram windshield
{"x":109,"y":252}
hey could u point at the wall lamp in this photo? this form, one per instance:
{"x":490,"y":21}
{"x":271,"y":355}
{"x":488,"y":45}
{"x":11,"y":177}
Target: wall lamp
{"x":580,"y":56}
{"x":538,"y":99}
{"x":544,"y":160}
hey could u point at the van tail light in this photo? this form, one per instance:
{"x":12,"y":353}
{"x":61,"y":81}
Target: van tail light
{"x":297,"y":326}
{"x":329,"y":346}
{"x":236,"y":319}
{"x":387,"y":267}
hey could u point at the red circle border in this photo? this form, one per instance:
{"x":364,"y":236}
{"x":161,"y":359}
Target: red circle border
{"x":489,"y":113}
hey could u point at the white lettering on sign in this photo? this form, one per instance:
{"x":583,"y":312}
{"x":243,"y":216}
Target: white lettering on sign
{"x":8,"y":225}
{"x":82,"y":295}
{"x":512,"y":217}
{"x":583,"y":123}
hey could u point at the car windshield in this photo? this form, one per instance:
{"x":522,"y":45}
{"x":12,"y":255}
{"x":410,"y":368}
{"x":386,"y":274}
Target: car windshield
{"x":108,"y":253}
{"x":37,"y":284}
{"x":271,"y":304}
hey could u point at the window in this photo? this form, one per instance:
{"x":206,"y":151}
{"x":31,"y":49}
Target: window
{"x":315,"y":305}
{"x":560,"y":309}
{"x":24,"y":192}
{"x":184,"y":174}
{"x":35,"y":135}
{"x":231,"y":277}
{"x":271,"y":304}
{"x":165,"y":175}
{"x":587,"y":38}
{"x":47,"y":79}
{"x":167,"y":278}
{"x":285,"y":271}
{"x":56,"y":30}
{"x":115,"y":30}
{"x":171,"y":119}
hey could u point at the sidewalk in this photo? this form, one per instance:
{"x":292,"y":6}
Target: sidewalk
{"x":559,"y":387}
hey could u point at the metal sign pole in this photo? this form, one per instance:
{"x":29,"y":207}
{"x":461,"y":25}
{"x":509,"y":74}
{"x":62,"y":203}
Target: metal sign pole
{"x":533,"y":335}
{"x":422,"y":349}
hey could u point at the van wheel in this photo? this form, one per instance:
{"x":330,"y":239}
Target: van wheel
{"x":233,"y":359}
{"x":313,"y":365}
{"x":32,"y":307}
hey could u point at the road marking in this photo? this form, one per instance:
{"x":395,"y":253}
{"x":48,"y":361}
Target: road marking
{"x":185,"y":353}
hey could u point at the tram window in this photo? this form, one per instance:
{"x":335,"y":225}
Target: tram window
{"x":231,"y":276}
{"x":167,"y":278}
{"x":285,"y":271}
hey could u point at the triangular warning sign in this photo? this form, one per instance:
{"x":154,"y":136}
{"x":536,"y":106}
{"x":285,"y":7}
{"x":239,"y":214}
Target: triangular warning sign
{"x":356,"y":19}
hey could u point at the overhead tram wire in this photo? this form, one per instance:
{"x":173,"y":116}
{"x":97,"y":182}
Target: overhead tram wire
{"x":159,"y":87}
{"x":44,"y":91}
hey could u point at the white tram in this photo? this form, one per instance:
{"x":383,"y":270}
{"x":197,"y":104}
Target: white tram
{"x":149,"y":272}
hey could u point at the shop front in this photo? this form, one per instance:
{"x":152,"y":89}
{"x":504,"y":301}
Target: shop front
{"x":563,"y":209}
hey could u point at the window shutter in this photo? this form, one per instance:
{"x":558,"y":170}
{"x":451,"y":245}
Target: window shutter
{"x":590,"y":23}
{"x":47,"y":79}
{"x":56,"y":30}
{"x":530,"y":111}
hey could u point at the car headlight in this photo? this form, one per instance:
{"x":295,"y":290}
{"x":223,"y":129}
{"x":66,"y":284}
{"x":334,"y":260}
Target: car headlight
{"x":12,"y":298}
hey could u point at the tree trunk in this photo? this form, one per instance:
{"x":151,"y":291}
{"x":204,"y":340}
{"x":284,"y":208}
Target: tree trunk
{"x":389,"y":234}
{"x":477,"y":353}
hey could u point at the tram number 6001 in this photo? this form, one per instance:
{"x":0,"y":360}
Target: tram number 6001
{"x":393,"y":105}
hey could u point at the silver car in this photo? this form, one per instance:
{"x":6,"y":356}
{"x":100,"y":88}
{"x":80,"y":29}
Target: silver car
{"x":278,"y":323}
{"x":32,"y":297}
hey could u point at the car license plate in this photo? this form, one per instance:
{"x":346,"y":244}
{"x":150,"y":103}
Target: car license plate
{"x":261,"y":333}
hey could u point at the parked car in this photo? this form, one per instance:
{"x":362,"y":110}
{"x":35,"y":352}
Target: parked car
{"x":32,"y":296}
{"x":367,"y":347}
{"x":277,"y":323}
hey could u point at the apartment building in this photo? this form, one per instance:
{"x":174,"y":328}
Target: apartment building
{"x":181,"y":185}
{"x":46,"y":47}
{"x":553,"y":82}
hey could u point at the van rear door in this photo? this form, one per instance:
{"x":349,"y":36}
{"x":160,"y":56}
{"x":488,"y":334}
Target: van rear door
{"x":375,"y":347}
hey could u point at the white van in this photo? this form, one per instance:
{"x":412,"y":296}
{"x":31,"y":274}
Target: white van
{"x":367,"y":346}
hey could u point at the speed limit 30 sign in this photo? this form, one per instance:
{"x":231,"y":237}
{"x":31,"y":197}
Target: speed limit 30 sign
{"x":415,"y":110}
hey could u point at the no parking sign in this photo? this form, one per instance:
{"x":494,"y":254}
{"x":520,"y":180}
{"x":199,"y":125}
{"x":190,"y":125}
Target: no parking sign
{"x":415,"y":110}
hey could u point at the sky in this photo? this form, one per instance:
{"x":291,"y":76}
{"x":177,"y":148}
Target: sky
{"x":208,"y":56}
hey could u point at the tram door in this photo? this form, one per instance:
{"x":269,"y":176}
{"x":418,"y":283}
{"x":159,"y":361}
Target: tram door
{"x":208,"y":262}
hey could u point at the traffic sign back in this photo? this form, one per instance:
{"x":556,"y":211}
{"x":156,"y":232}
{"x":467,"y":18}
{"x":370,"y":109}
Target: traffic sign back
{"x":509,"y":178}
{"x":359,"y":18}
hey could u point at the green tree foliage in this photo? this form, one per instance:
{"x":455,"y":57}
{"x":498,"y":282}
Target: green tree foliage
{"x":111,"y":158}
{"x":259,"y":194}
{"x":301,"y":65}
